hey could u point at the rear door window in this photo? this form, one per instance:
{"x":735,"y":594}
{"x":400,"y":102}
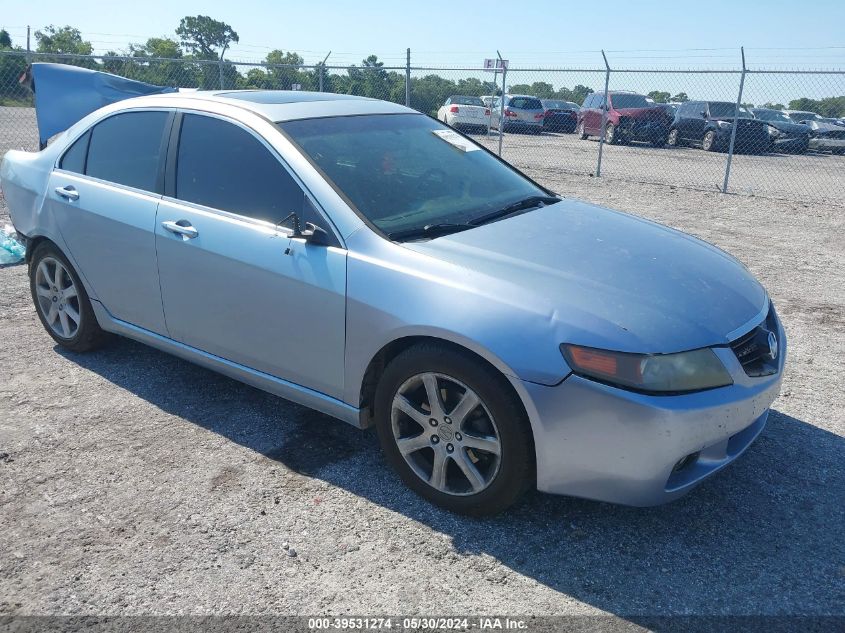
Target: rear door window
{"x":221,"y":165}
{"x":127,"y":149}
{"x":74,"y":158}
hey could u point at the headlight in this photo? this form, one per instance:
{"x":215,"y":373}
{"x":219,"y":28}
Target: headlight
{"x":725,"y":125}
{"x":658,"y":373}
{"x":773,"y":131}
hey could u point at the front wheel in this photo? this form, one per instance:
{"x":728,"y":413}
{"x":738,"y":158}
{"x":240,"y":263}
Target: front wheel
{"x":579,"y":131}
{"x":708,"y":144}
{"x":674,"y":138}
{"x":61,"y":301}
{"x":610,"y":136}
{"x":450,"y":426}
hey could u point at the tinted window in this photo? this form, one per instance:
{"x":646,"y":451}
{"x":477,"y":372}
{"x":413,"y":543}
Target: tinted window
{"x":629,"y":101}
{"x":724,"y":110}
{"x":126,"y":149}
{"x":223,"y":166}
{"x":525,"y":103}
{"x":406,"y":170}
{"x":74,"y":158}
{"x":459,"y":100}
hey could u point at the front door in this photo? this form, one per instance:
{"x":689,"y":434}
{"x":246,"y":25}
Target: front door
{"x":235,"y":285}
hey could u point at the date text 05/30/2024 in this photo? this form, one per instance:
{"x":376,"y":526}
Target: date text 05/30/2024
{"x":417,"y":624}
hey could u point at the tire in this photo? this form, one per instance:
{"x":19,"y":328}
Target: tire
{"x":610,"y":136}
{"x":579,"y":131}
{"x":497,"y":480}
{"x":708,"y":143}
{"x":58,"y":295}
{"x":674,"y":138}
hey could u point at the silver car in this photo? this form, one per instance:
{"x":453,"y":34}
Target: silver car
{"x":367,"y":261}
{"x":522,"y":113}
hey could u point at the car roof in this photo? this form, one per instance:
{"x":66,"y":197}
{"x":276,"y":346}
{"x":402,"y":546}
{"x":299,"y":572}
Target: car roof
{"x":276,"y":105}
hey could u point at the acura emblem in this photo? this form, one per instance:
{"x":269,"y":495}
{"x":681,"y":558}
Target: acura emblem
{"x":773,"y":345}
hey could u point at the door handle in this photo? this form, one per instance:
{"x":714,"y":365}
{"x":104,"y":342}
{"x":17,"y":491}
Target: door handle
{"x":68,"y":192}
{"x":182,"y":227}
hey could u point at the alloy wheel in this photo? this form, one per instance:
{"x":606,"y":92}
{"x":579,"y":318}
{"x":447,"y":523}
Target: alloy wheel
{"x":446,"y":434}
{"x":58,"y":298}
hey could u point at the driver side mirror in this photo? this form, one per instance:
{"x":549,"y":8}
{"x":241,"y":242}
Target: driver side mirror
{"x":703,"y":114}
{"x":312,"y":234}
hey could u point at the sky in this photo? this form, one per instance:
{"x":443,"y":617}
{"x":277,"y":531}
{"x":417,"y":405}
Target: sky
{"x":706,"y":34}
{"x":537,"y":33}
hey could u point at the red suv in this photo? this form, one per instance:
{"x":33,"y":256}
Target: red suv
{"x":630,"y":117}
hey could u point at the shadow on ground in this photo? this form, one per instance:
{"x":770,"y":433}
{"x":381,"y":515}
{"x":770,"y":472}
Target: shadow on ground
{"x":765,"y":536}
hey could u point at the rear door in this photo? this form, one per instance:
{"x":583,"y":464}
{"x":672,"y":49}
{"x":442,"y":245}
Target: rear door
{"x":103,"y":196}
{"x":233,"y":283}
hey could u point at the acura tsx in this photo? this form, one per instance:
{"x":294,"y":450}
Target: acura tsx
{"x":365,"y":260}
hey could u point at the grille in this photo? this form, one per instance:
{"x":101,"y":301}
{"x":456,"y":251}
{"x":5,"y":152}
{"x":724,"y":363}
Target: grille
{"x":752,"y":349}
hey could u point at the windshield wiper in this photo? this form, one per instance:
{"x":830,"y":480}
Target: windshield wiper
{"x":429,"y":230}
{"x":519,"y":205}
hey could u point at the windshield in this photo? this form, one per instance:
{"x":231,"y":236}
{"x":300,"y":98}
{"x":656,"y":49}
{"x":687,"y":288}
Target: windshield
{"x":476,"y":101}
{"x":629,"y":101}
{"x":406,"y":171}
{"x":772,"y":115}
{"x":725,"y":110}
{"x":804,"y":116}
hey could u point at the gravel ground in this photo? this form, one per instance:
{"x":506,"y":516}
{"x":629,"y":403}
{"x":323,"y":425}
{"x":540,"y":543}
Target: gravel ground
{"x":132,"y":482}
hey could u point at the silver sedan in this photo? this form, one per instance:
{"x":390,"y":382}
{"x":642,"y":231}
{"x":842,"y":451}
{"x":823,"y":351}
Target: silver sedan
{"x":367,"y":261}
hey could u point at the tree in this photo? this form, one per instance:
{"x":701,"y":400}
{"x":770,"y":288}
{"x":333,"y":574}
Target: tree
{"x":163,"y":73}
{"x":202,"y":35}
{"x":64,"y":41}
{"x":5,"y":40}
{"x":829,"y":106}
{"x":659,"y":96}
{"x":773,"y":106}
{"x":681,"y":97}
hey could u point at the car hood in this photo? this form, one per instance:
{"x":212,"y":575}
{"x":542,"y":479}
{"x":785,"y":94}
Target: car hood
{"x":783,"y":126}
{"x":821,"y":126}
{"x":608,"y":279}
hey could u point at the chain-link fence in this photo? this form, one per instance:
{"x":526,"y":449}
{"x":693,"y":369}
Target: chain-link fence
{"x":665,"y":127}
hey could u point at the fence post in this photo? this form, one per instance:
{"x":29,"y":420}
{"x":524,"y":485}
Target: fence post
{"x":736,"y":120}
{"x":323,"y":70}
{"x":603,"y":113}
{"x":408,"y":79}
{"x":502,"y":102}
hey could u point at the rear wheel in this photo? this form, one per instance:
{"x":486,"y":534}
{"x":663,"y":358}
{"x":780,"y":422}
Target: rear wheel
{"x":450,"y":426}
{"x":708,"y":144}
{"x":61,"y":301}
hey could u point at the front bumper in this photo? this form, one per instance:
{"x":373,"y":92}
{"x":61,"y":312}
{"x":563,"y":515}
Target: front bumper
{"x":822,"y":143}
{"x":643,"y":130}
{"x":608,"y":444}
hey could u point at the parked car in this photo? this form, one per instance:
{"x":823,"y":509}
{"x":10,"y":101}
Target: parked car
{"x":786,"y":135}
{"x":523,"y":113}
{"x":465,"y":113}
{"x":709,"y":124}
{"x":630,"y":117}
{"x":560,"y":116}
{"x":362,"y":259}
{"x":825,"y":135}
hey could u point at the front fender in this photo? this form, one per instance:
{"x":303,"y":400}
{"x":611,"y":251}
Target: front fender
{"x":394,"y":292}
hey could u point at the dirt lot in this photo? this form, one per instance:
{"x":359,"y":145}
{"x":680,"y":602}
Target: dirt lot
{"x":132,"y":482}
